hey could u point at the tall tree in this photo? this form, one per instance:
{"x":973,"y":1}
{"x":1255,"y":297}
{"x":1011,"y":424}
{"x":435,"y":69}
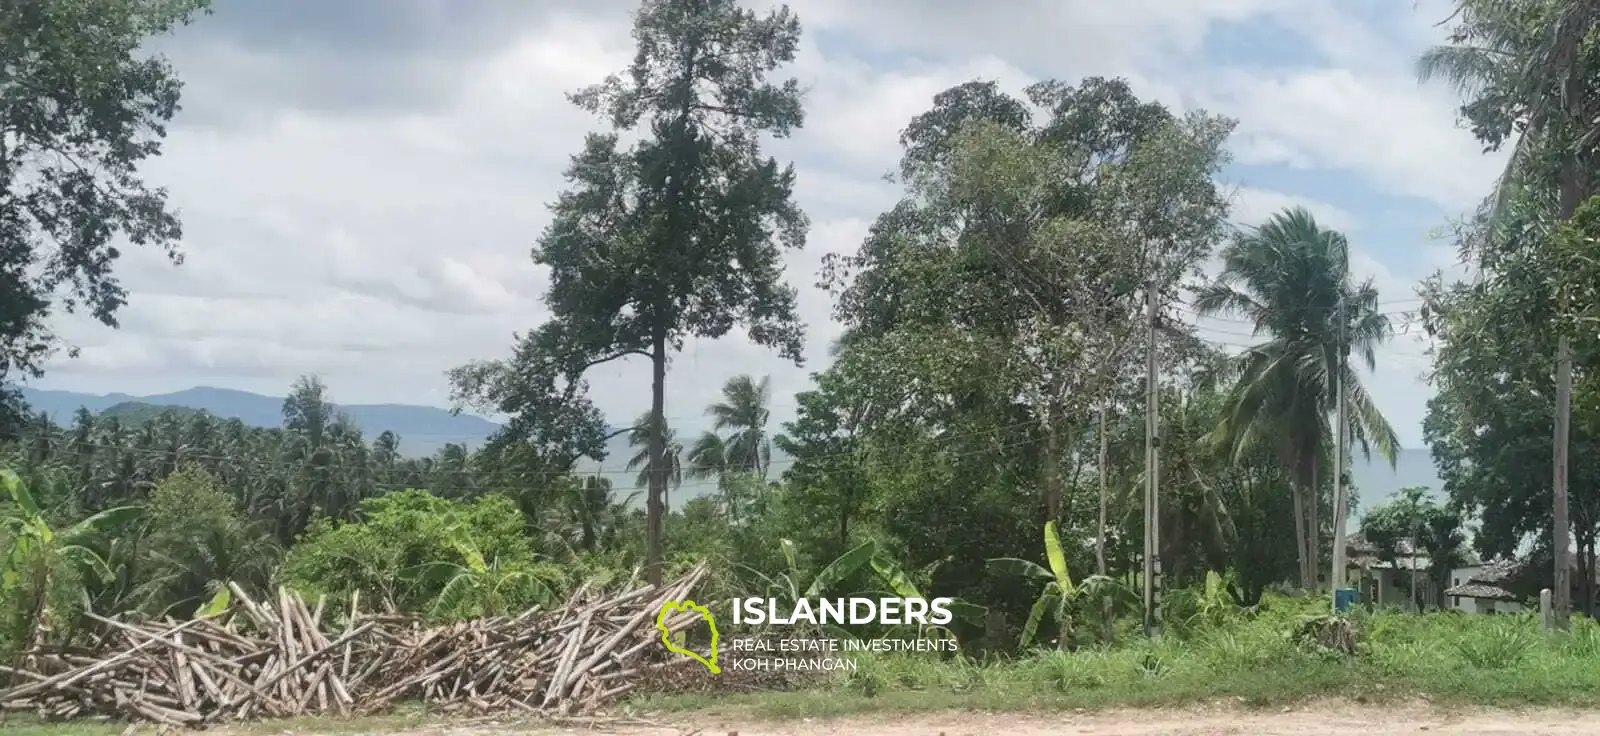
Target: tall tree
{"x":1017,"y":261}
{"x":82,"y":104}
{"x":1289,"y":279}
{"x":743,"y":411}
{"x":1527,"y":70}
{"x":681,"y":234}
{"x":826,"y":476}
{"x":673,"y":456}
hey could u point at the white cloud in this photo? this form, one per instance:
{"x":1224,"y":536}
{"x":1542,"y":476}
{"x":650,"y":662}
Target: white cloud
{"x":383,"y":242}
{"x":1252,"y":206}
{"x":1397,"y":136}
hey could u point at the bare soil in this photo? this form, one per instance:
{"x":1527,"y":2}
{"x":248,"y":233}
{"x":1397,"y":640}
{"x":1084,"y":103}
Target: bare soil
{"x":1304,"y":721}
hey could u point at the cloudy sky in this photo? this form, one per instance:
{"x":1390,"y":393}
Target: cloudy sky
{"x":361,"y":181}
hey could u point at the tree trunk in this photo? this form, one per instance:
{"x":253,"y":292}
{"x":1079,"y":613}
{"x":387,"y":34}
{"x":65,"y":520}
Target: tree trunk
{"x":1052,"y":465}
{"x":1571,"y":188}
{"x":1108,"y":619}
{"x":1105,"y":496}
{"x":1314,"y":519}
{"x":1586,"y":587}
{"x":1297,"y":493}
{"x":1064,"y":634}
{"x":656,"y":497}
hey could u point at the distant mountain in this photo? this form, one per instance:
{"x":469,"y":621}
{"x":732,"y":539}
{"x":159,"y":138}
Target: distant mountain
{"x":422,"y":429}
{"x":133,"y":413}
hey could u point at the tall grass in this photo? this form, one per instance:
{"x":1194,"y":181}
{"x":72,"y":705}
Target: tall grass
{"x":1253,"y":660}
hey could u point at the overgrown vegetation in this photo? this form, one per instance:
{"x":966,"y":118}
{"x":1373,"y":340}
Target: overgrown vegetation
{"x":989,"y":384}
{"x":1253,"y":660}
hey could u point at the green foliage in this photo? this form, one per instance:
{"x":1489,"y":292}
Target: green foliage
{"x":793,"y":583}
{"x":1436,"y":531}
{"x":1059,"y":597}
{"x":415,"y":551}
{"x":85,"y":104}
{"x":1445,"y":658}
{"x":1576,"y":253}
{"x":44,"y":571}
{"x":196,"y":542}
{"x":1190,"y":610}
{"x":134,"y":413}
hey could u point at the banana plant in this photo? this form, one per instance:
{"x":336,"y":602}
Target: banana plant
{"x":483,"y":587}
{"x":904,"y":584}
{"x":37,"y":553}
{"x":1213,"y":606}
{"x":786,"y":587}
{"x":1059,"y":595}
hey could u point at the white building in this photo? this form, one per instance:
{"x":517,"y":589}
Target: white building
{"x":1491,"y":587}
{"x":1403,"y":583}
{"x":1482,"y":588}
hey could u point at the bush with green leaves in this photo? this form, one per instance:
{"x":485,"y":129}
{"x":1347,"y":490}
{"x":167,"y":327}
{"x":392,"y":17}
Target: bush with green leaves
{"x":196,"y":541}
{"x":1060,"y":598}
{"x":414,"y":551}
{"x":45,"y":568}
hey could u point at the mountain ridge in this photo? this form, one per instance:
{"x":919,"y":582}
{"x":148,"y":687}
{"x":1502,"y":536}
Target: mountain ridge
{"x":423,"y":429}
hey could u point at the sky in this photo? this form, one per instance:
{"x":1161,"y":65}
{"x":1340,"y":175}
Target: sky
{"x":361,"y":181}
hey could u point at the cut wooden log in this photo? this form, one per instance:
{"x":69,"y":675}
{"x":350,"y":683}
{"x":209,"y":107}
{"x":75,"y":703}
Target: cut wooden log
{"x":282,"y":657}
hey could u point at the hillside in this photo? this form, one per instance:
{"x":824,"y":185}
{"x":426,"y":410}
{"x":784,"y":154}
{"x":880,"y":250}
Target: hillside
{"x":132,"y":413}
{"x":422,"y":429}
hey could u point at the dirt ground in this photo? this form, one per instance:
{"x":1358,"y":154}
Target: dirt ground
{"x":1305,"y":721}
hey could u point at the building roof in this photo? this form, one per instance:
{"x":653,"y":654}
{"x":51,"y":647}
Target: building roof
{"x":1490,"y":581}
{"x":1480,"y":590}
{"x":1363,"y":554}
{"x":1498,"y":571}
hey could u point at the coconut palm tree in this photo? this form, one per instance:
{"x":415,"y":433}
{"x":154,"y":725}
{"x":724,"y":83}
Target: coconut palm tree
{"x":595,"y":514}
{"x":744,"y":409}
{"x":639,"y":437}
{"x":1526,"y":75}
{"x":708,"y":460}
{"x":1286,"y":278}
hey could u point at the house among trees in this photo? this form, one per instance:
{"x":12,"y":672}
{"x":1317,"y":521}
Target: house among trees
{"x":1401,"y":580}
{"x":1489,"y":587}
{"x":1406,"y":580}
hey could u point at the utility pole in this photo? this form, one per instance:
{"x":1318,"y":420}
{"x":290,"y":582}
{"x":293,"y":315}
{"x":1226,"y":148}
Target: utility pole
{"x":1572,"y":190}
{"x":1152,"y":474}
{"x":1336,"y":578}
{"x":1562,"y":595}
{"x":1105,"y":497}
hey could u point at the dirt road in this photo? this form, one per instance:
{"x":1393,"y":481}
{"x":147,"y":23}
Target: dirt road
{"x":1307,"y":721}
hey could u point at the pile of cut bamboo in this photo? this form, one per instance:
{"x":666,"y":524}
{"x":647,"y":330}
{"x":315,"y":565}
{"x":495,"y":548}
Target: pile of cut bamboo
{"x":262,"y":659}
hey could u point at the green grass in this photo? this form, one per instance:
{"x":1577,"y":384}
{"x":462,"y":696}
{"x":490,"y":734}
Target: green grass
{"x":1448,"y":659}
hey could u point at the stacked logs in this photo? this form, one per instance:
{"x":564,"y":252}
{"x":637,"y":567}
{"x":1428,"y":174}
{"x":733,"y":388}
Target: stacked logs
{"x":279,"y":658}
